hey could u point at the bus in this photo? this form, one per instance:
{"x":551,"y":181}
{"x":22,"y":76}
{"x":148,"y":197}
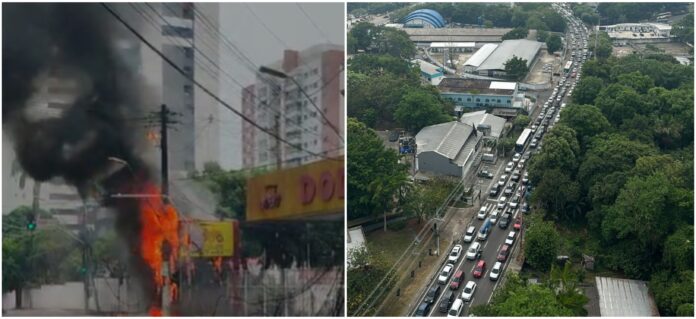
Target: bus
{"x":567,"y":67}
{"x":522,"y":140}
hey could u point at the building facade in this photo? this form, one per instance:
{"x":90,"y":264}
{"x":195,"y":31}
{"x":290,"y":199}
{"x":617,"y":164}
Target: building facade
{"x":471,"y":93}
{"x":278,"y":104}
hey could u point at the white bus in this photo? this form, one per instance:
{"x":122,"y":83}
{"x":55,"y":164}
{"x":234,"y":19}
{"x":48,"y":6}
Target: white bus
{"x":519,"y":146}
{"x":567,"y":67}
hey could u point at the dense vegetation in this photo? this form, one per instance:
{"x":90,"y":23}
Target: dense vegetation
{"x":684,"y":29}
{"x":621,"y":12}
{"x":384,"y":88}
{"x":362,"y":8}
{"x":620,"y":165}
{"x":538,"y":16}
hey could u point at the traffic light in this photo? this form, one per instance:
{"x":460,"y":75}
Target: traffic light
{"x":31,"y":222}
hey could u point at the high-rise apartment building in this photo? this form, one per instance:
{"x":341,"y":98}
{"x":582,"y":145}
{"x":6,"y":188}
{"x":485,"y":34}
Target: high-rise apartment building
{"x":280,"y":106}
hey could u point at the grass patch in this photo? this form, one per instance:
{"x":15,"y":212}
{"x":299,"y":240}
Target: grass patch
{"x":392,"y":243}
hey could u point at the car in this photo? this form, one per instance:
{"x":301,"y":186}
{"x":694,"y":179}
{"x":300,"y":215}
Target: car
{"x":502,"y":180}
{"x":514,"y":201}
{"x":504,"y":220}
{"x":533,"y":144}
{"x":509,"y":167}
{"x":510,"y":189}
{"x":456,"y":309}
{"x":445,"y":274}
{"x":495,"y":271}
{"x":521,"y":164}
{"x":393,"y":136}
{"x":525,"y":208}
{"x":423,"y":309}
{"x":518,"y":224}
{"x":455,"y":254}
{"x":494,"y":215}
{"x":433,"y":293}
{"x":521,"y":191}
{"x":469,"y":290}
{"x":515,"y":175}
{"x":446,"y":302}
{"x":474,"y":251}
{"x":503,"y":253}
{"x":516,"y":157}
{"x":485,"y":174}
{"x":525,"y":178}
{"x":470,"y":233}
{"x":502,"y":201}
{"x":494,"y":190}
{"x":482,"y":212}
{"x":479,"y":269}
{"x":510,"y":238}
{"x":457,"y":279}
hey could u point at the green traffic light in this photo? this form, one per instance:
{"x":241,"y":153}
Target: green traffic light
{"x":31,"y":226}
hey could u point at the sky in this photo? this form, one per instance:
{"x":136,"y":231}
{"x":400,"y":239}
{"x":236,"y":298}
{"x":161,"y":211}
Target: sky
{"x":241,"y":27}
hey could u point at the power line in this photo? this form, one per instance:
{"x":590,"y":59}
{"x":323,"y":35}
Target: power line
{"x":299,"y":6}
{"x":202,"y":87}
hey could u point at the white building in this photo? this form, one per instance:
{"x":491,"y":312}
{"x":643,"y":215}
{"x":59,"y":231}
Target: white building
{"x":279,"y":105}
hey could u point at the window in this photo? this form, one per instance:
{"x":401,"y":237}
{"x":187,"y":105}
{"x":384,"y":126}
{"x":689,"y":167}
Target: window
{"x":188,"y":70}
{"x":188,"y":89}
{"x":487,"y":101}
{"x":508,"y":101}
{"x":188,"y":52}
{"x":459,"y":99}
{"x":478,"y":100}
{"x":174,"y":31}
{"x":498,"y":100}
{"x":468,"y":99}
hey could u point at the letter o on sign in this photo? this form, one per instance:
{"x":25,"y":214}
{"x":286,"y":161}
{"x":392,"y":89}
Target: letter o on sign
{"x":326,"y":183}
{"x":307,"y":189}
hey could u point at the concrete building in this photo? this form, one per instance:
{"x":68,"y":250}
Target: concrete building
{"x":448,"y":149}
{"x":494,"y":64}
{"x":624,"y":33}
{"x":473,"y":93}
{"x":625,"y":298}
{"x":430,"y":72}
{"x":458,"y":47}
{"x":319,"y":70}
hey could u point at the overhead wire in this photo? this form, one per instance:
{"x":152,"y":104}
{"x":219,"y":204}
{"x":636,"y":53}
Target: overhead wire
{"x":309,"y":18}
{"x":199,"y":85}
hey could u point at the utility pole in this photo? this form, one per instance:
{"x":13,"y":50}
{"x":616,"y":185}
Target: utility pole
{"x":279,"y":152}
{"x":163,"y":145}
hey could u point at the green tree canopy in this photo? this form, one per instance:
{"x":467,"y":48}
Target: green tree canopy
{"x":516,"y":68}
{"x":419,"y":109}
{"x":586,"y":120}
{"x":541,"y":245}
{"x":587,"y":90}
{"x":553,"y":43}
{"x":516,"y":33}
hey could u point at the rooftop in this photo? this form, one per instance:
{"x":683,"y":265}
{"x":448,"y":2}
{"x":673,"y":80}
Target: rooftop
{"x":525,"y":49}
{"x":427,"y":67}
{"x":456,"y":34}
{"x":460,"y":85}
{"x":481,"y":117}
{"x":452,"y":44}
{"x":624,"y":298}
{"x":481,"y":54}
{"x":446,"y":139}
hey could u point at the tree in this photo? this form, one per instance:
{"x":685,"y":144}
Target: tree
{"x":637,"y":81}
{"x":679,"y":249}
{"x":558,"y":194}
{"x":686,"y":309}
{"x":558,"y":154}
{"x":517,"y":298}
{"x":376,"y":64}
{"x":553,"y":43}
{"x":419,"y":109}
{"x":672,"y":291}
{"x":394,"y":42}
{"x":564,"y":282}
{"x":604,"y":46}
{"x":542,"y":36}
{"x":230,"y":189}
{"x":488,"y":24}
{"x":374,"y":171}
{"x":352,"y":43}
{"x":516,"y":33}
{"x":618,"y":102}
{"x":586,"y":120}
{"x":521,"y":121}
{"x":423,"y":201}
{"x":505,"y":145}
{"x":684,"y":31}
{"x":516,"y":68}
{"x":587,"y":90}
{"x":362,"y":34}
{"x":541,"y":245}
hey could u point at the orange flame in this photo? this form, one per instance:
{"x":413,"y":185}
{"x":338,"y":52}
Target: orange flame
{"x":159,"y":223}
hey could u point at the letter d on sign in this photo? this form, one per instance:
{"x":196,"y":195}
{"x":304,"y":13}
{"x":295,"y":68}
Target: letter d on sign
{"x":307,"y":189}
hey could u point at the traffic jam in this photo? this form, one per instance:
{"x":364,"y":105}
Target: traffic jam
{"x":476,"y":263}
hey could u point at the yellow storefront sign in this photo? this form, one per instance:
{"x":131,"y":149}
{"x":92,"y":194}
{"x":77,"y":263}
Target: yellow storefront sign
{"x":310,"y":190}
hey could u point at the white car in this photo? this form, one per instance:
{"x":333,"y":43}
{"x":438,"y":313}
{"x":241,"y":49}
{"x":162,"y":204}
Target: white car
{"x":456,"y":309}
{"x":516,"y":157}
{"x":495,"y":271}
{"x":473,"y":250}
{"x":494,"y":215}
{"x":514,"y":201}
{"x":445,"y":274}
{"x":501,"y":202}
{"x":520,"y":165}
{"x":525,"y":178}
{"x":502,"y":180}
{"x":468,"y":291}
{"x":510,"y":238}
{"x":470,"y":233}
{"x":509,"y":167}
{"x":455,"y":254}
{"x":482,"y":213}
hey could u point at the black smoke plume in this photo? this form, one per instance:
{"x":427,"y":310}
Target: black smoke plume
{"x":79,"y":43}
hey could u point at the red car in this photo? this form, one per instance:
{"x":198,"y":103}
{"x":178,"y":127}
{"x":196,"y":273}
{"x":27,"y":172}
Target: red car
{"x":479,"y":269}
{"x":457,"y":279}
{"x":503,"y":253}
{"x":518,"y":224}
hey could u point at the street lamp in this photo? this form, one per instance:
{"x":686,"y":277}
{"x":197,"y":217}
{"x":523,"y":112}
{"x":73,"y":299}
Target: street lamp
{"x":283,"y":75}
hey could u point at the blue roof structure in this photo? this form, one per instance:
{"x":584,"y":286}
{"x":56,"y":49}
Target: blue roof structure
{"x":430,"y":16}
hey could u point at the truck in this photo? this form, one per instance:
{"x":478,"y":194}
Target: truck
{"x":485,"y":229}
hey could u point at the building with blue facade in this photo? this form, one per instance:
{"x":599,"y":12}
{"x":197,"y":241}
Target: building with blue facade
{"x":430,"y":72}
{"x":424,"y":18}
{"x":473,"y":93}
